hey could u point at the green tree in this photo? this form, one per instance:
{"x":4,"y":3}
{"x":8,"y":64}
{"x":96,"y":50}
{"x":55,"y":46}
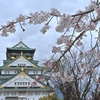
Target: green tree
{"x":49,"y":97}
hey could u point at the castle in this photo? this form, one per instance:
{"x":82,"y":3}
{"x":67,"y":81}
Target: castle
{"x":21,"y":77}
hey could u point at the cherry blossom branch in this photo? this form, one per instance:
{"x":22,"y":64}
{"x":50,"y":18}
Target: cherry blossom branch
{"x":67,"y":49}
{"x":89,"y":70}
{"x":83,"y":13}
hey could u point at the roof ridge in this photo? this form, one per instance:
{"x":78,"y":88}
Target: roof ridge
{"x":19,"y":43}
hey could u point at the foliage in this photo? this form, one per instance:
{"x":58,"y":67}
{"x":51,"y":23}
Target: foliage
{"x":49,"y":97}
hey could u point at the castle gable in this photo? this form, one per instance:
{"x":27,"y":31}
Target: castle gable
{"x":22,"y":80}
{"x":21,"y":61}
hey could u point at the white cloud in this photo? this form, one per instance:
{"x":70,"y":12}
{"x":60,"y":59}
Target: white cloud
{"x":10,"y":9}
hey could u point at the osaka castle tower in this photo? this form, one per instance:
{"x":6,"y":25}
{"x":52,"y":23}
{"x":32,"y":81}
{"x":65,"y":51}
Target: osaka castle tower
{"x":21,"y":77}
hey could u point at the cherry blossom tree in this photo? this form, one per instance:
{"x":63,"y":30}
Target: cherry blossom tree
{"x":75,"y":77}
{"x":76,"y":30}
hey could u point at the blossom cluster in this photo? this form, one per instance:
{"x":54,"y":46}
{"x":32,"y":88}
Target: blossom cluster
{"x":75,"y":28}
{"x":80,"y":21}
{"x":9,"y":28}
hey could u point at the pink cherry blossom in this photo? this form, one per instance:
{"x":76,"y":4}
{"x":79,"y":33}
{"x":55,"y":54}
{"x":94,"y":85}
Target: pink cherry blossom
{"x":92,"y":25}
{"x":56,"y":49}
{"x":91,"y":52}
{"x":59,"y":29}
{"x":47,"y":64}
{"x":65,"y":21}
{"x":98,"y":10}
{"x":91,"y":6}
{"x":81,"y":55}
{"x":45,"y":28}
{"x":55,"y":12}
{"x":79,"y":43}
{"x":21,"y":18}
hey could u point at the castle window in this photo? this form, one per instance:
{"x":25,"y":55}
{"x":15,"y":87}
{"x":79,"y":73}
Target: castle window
{"x":36,"y":72}
{"x":7,"y":93}
{"x":30,"y":93}
{"x":16,"y":72}
{"x":35,"y":93}
{"x":4,"y":93}
{"x":8,"y":72}
{"x":24,"y":64}
{"x":0,"y":93}
{"x":13,"y":93}
{"x":43,"y":93}
{"x":25,"y":83}
{"x":27,"y":71}
{"x":38,"y":93}
{"x":20,"y":65}
{"x":28,"y":83}
{"x":20,"y":83}
{"x":5,"y":72}
{"x":15,"y":83}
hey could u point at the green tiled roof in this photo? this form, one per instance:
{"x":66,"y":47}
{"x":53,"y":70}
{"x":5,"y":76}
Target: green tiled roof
{"x":31,"y":61}
{"x":17,"y":74}
{"x":20,"y":49}
{"x":26,"y":89}
{"x":45,"y":88}
{"x":35,"y":62}
{"x":10,"y":61}
{"x":34,"y":68}
{"x":5,"y":77}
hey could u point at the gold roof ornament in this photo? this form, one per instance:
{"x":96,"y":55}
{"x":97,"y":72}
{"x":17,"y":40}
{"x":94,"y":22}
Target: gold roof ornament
{"x":29,"y":58}
{"x":21,"y":57}
{"x":22,"y":74}
{"x":8,"y":65}
{"x":22,"y":69}
{"x":34,"y":66}
{"x":12,"y":57}
{"x":21,"y":53}
{"x":20,"y":40}
{"x":1,"y":86}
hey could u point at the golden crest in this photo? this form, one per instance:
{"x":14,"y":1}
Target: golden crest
{"x":1,"y":86}
{"x":22,"y":74}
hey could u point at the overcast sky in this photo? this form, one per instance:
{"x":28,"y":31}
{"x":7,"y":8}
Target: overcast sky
{"x":10,"y":9}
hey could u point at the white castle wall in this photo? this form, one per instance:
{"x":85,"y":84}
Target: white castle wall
{"x":30,"y":72}
{"x":28,"y":95}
